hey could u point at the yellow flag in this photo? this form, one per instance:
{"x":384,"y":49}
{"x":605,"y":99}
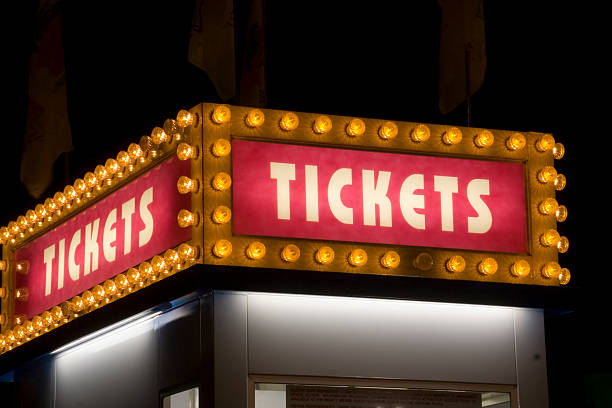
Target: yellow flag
{"x":47,"y":133}
{"x":211,"y":44}
{"x":463,"y":58}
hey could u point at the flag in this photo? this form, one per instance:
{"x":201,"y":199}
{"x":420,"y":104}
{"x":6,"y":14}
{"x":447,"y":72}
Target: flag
{"x":47,"y":133}
{"x":463,"y":58}
{"x":211,"y":44}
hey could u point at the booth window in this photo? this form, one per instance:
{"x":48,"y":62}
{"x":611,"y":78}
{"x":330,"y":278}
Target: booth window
{"x":358,"y":393}
{"x":184,"y":399}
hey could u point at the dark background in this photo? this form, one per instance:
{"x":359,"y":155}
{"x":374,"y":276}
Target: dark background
{"x":127,"y":71}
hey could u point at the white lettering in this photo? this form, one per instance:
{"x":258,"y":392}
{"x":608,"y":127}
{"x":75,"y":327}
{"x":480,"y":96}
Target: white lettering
{"x":340,"y":178}
{"x":109,"y":236}
{"x":483,"y":222}
{"x":410,"y":201}
{"x":127,"y":210}
{"x":446,"y":186}
{"x":145,"y":235}
{"x":283,"y":173}
{"x":376,"y":195}
{"x":312,"y":193}
{"x":91,"y":247}
{"x":60,"y":263}
{"x":73,"y":267}
{"x":48,"y":256}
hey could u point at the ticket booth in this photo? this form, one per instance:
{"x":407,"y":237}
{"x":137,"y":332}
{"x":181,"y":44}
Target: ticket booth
{"x":244,"y":257}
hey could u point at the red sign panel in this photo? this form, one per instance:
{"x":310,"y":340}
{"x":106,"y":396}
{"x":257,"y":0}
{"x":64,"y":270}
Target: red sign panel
{"x":383,"y":198}
{"x":129,"y":226}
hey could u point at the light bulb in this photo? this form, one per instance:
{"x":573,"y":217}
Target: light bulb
{"x":289,"y":121}
{"x":547,"y":174}
{"x":561,"y":213}
{"x":80,"y":186}
{"x":77,"y":304}
{"x":88,"y":298}
{"x":520,"y":268}
{"x":516,"y":141}
{"x":358,"y":257}
{"x":550,"y":238}
{"x":255,"y":118}
{"x":256,"y":250}
{"x":41,"y":211}
{"x":187,"y":218}
{"x":221,"y":214}
{"x":121,"y":281}
{"x":111,"y":166}
{"x":558,"y":151}
{"x":135,"y":151}
{"x":564,"y":276}
{"x":110,"y":287}
{"x":187,"y":253}
{"x":172,"y":257}
{"x":221,"y":114}
{"x":185,"y":151}
{"x":551,"y":270}
{"x":90,"y":180}
{"x":487,"y":266}
{"x":145,"y":269}
{"x":159,"y":136}
{"x":560,"y":182}
{"x":221,"y":181}
{"x":388,"y":130}
{"x":101,"y":172}
{"x":484,"y":138}
{"x":322,"y":124}
{"x":355,"y":127}
{"x":221,"y":147}
{"x":548,"y":206}
{"x":123,"y":159}
{"x":563,"y":245}
{"x":222,"y":248}
{"x":325,"y":255}
{"x":545,"y":143}
{"x":186,"y":185}
{"x":290,"y":253}
{"x":22,"y":267}
{"x":452,"y":136}
{"x":70,"y":193}
{"x":390,"y":260}
{"x":171,"y":127}
{"x":51,"y":205}
{"x":22,"y":294}
{"x":133,"y":276}
{"x":159,"y":264}
{"x":31,"y":216}
{"x":420,"y":133}
{"x":185,"y":118}
{"x":455,"y":264}
{"x":98,"y":292}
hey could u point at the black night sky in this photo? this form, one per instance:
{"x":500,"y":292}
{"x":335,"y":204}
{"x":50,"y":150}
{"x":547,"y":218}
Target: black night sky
{"x":127,"y":71}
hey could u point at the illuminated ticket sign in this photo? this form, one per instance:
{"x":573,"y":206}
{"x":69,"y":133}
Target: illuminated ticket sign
{"x":129,"y":226}
{"x":386,"y":198}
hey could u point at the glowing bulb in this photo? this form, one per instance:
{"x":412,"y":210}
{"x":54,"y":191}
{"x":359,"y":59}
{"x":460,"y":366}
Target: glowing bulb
{"x":185,"y":118}
{"x":222,"y":248}
{"x":551,"y":270}
{"x":358,"y":257}
{"x":355,"y":127}
{"x":221,"y":215}
{"x":185,"y":151}
{"x":159,"y":136}
{"x":4,"y":235}
{"x":452,"y":136}
{"x":455,"y":264}
{"x":558,"y":151}
{"x":221,"y":114}
{"x":123,"y":159}
{"x":121,"y":281}
{"x":41,"y":211}
{"x":70,"y":193}
{"x":77,"y":303}
{"x":545,"y":143}
{"x":31,"y":216}
{"x":186,"y":185}
{"x":79,"y":186}
{"x":29,"y":328}
{"x":51,"y":206}
{"x":171,"y":127}
{"x":388,"y":130}
{"x":187,"y":218}
{"x":484,"y":139}
{"x":221,"y":181}
{"x":221,"y":147}
{"x":13,"y":227}
{"x":110,"y":287}
{"x":38,"y":323}
{"x":390,"y":260}
{"x":98,"y":292}
{"x":563,"y":245}
{"x":487,"y":266}
{"x":22,"y":294}
{"x":22,"y":222}
{"x":145,"y":269}
{"x":325,"y":255}
{"x":135,"y":151}
{"x":56,"y":313}
{"x":91,"y":180}
{"x":322,"y":124}
{"x":560,"y":182}
{"x":19,"y":332}
{"x":60,"y":198}
{"x":564,"y":276}
{"x":420,"y":133}
{"x":188,"y":252}
{"x":547,"y":174}
{"x":2,"y":265}
{"x":172,"y":258}
{"x":290,"y":253}
{"x":289,"y":121}
{"x":22,"y":267}
{"x":561,"y":213}
{"x":548,"y":206}
{"x":255,"y":118}
{"x":133,"y":276}
{"x":520,"y":268}
{"x":550,"y":238}
{"x":112,"y":167}
{"x":516,"y":141}
{"x":159,"y":264}
{"x":256,"y":250}
{"x":88,"y":298}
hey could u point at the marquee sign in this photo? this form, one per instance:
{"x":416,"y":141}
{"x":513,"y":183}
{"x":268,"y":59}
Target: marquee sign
{"x":227,"y":185}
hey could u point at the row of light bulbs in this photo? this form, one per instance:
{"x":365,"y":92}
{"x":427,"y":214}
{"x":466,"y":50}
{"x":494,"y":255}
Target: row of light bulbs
{"x":93,"y":183}
{"x":148,"y":272}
